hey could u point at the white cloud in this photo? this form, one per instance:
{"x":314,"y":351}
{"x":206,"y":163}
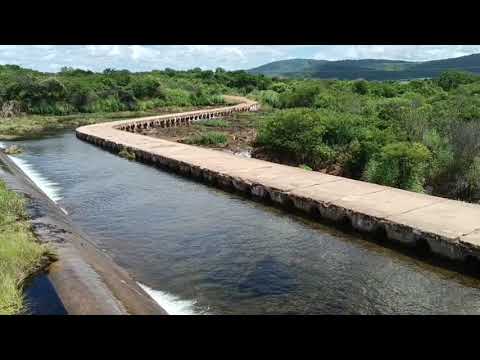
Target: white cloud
{"x":138,"y":52}
{"x":230,"y":57}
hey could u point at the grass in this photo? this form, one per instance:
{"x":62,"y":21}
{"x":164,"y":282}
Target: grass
{"x":20,"y":254}
{"x":208,"y":138}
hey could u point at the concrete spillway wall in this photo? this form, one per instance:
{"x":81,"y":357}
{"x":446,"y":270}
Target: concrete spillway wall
{"x":448,"y":228}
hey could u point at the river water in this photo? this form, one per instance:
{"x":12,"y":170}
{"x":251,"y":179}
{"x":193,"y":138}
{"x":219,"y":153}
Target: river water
{"x":199,"y":250}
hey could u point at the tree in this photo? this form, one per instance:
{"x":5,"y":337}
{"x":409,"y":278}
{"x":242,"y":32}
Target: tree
{"x":52,"y":89}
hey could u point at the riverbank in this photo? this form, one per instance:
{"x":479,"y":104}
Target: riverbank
{"x":21,"y":255}
{"x":36,"y":126}
{"x":86,"y":280}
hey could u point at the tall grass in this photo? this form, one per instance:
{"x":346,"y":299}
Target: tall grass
{"x":20,"y":254}
{"x":208,"y":138}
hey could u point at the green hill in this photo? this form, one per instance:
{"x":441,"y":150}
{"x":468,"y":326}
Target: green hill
{"x":369,"y":69}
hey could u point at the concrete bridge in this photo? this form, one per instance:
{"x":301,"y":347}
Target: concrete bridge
{"x":446,"y":227}
{"x":187,"y":118}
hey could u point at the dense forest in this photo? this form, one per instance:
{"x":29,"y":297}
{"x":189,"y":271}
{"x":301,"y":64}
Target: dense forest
{"x":420,"y":135}
{"x":78,"y":91}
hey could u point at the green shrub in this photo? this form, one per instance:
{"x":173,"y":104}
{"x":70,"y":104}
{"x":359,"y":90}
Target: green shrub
{"x":209,"y":138}
{"x":296,"y":132}
{"x":402,"y":165}
{"x":442,"y":154}
{"x":127,"y":154}
{"x":303,"y":95}
{"x":268,"y":97}
{"x":360,"y":87}
{"x":305,"y":167}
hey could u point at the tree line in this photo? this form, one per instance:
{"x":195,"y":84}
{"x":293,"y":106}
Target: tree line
{"x":78,"y":91}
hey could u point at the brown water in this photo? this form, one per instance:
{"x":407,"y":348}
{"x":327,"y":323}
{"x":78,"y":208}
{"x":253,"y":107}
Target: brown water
{"x":206,"y":251}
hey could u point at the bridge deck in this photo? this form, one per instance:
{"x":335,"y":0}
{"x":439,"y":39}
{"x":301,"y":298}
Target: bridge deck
{"x":451,"y":228}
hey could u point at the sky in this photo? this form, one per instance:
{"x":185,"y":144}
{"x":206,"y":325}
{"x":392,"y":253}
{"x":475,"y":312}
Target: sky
{"x":52,"y":58}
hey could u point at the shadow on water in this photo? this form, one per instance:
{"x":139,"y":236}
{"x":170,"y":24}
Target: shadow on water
{"x":41,"y":297}
{"x":266,"y":277}
{"x":269,"y":277}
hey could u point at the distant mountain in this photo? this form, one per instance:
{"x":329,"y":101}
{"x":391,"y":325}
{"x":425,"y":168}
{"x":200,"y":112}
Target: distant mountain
{"x":287,"y":66}
{"x":369,"y":69}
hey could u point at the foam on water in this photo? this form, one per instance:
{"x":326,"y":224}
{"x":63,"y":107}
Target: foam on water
{"x":50,"y":188}
{"x":171,"y":303}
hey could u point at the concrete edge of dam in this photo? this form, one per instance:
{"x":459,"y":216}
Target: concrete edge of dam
{"x":448,"y":228}
{"x":86,"y":280}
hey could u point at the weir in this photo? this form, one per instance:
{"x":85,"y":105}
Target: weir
{"x":446,"y":227}
{"x":85,"y":279}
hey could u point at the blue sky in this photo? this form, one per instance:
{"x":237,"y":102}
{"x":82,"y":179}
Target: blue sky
{"x":231,"y":57}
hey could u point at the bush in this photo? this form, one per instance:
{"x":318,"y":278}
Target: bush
{"x":178,"y":97}
{"x":268,"y":97}
{"x":296,"y":132}
{"x":208,"y":138}
{"x":360,"y":87}
{"x":303,"y":95}
{"x":402,"y":165}
{"x":305,"y":167}
{"x":456,"y":175}
{"x":127,"y":154}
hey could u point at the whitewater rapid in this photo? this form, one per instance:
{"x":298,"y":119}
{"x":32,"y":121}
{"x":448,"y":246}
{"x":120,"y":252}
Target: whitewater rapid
{"x":172,"y":304}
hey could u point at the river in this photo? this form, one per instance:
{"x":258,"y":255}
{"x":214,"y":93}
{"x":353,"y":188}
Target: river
{"x":199,"y":250}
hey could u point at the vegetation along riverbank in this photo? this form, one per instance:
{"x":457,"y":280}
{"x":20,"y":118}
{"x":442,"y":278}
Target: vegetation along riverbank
{"x":20,"y":254}
{"x":419,"y":135}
